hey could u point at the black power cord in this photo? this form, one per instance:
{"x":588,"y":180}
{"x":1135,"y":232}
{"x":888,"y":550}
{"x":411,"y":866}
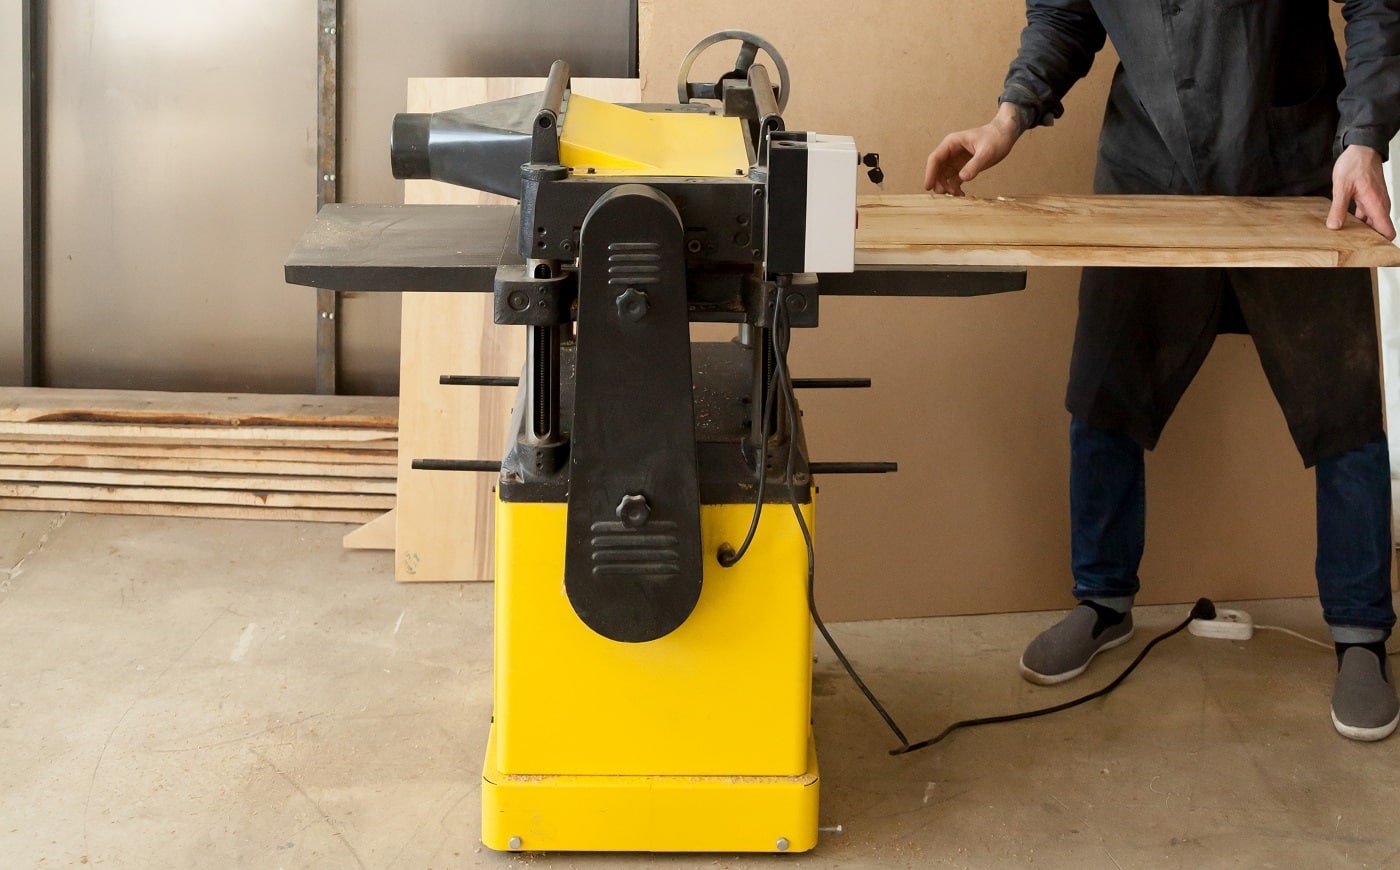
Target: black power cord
{"x":1203,"y":609}
{"x":782,"y":382}
{"x":780,"y":347}
{"x":728,"y":556}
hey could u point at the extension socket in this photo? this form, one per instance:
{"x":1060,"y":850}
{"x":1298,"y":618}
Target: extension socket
{"x":1227,"y":625}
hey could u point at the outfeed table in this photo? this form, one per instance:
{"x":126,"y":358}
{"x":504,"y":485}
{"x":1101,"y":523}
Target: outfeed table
{"x":1024,"y":231}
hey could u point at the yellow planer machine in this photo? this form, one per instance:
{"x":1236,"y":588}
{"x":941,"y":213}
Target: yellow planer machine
{"x":653,"y":641}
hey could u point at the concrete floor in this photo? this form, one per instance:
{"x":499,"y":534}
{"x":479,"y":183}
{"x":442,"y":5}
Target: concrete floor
{"x":199,"y":693}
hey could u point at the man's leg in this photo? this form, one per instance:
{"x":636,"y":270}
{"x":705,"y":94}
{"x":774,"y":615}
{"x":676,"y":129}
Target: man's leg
{"x":1316,"y":335}
{"x":1353,"y":582}
{"x":1108,"y":515}
{"x":1107,"y":494}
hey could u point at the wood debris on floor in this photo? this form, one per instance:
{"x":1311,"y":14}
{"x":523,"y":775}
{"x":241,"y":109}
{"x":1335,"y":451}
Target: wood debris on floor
{"x":307,"y":458}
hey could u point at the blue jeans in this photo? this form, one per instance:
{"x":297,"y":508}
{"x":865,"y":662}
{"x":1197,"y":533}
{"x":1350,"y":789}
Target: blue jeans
{"x":1108,"y":497}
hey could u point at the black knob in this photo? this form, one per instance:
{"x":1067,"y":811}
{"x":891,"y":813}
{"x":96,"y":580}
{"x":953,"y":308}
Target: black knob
{"x":633,"y":510}
{"x":632,"y":304}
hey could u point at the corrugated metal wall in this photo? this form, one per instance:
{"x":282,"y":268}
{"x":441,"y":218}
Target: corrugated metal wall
{"x":181,"y":170}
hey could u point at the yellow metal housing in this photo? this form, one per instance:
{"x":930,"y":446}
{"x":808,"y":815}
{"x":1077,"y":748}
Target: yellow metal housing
{"x":699,"y":740}
{"x":614,"y":140}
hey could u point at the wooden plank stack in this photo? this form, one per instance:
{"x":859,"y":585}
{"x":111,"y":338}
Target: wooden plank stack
{"x":306,"y":458}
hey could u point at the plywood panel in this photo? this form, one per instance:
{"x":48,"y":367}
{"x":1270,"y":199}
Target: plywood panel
{"x":1063,"y":230}
{"x":969,"y":392}
{"x":445,"y":520}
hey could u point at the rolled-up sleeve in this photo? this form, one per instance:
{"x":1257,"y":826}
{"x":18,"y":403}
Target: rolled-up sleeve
{"x":1057,"y":50}
{"x":1370,"y":101}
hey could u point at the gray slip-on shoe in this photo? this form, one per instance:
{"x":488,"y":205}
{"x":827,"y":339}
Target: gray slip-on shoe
{"x":1364,"y":706}
{"x":1063,"y":651}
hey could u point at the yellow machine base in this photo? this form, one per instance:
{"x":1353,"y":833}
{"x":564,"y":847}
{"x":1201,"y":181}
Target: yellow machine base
{"x":648,"y":813}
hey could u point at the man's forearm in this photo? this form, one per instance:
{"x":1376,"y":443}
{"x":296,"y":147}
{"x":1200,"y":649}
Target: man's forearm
{"x":1370,"y":102}
{"x":1058,"y":46}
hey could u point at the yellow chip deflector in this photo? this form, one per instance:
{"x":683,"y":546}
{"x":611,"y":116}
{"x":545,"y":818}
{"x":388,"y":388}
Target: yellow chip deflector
{"x":616,"y":140}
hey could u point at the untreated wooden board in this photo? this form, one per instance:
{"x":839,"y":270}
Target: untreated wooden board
{"x":238,"y":498}
{"x":374,"y":471}
{"x":289,"y":436}
{"x":1113,"y":231}
{"x":377,"y":534}
{"x":222,"y":481}
{"x":30,"y":405}
{"x":218,"y":452}
{"x":445,"y":521}
{"x":165,"y":509}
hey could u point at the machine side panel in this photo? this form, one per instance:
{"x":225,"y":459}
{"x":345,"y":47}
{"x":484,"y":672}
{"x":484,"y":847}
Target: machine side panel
{"x":725,"y":694}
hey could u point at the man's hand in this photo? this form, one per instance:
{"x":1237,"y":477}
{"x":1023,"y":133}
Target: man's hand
{"x":1358,"y":178}
{"x":961,"y":156}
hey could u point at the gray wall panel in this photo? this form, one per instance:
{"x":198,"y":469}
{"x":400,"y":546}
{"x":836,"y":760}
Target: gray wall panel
{"x":11,"y":198}
{"x":181,"y":170}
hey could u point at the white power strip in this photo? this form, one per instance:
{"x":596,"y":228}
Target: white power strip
{"x":1227,"y":625}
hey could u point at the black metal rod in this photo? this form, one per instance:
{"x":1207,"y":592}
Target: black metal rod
{"x":554,"y":88}
{"x":34,"y":23}
{"x":477,"y":381}
{"x":769,"y":117}
{"x":853,"y":467}
{"x":544,"y":138}
{"x":831,"y":383}
{"x":490,"y":465}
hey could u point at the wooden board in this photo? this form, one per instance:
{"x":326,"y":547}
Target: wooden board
{"x":163,"y":478}
{"x":27,"y":405}
{"x":218,"y":452}
{"x":372,"y":471}
{"x":240,"y":498}
{"x":445,"y":521}
{"x":377,"y":534}
{"x":376,"y":439}
{"x":1113,"y":231}
{"x":206,"y":511}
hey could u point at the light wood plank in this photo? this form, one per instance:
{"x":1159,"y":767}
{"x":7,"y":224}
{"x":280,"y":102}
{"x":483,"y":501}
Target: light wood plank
{"x":374,"y":471}
{"x":205,"y":511}
{"x":377,"y":534}
{"x":445,"y":522}
{"x":238,"y":498}
{"x":29,"y":404}
{"x":291,"y":436}
{"x":218,"y":452}
{"x":175,"y":479}
{"x":1113,"y":231}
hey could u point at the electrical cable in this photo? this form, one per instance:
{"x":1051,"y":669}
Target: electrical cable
{"x":781,"y":382}
{"x":1203,"y":609}
{"x":795,"y":428}
{"x":728,"y":557}
{"x":1330,"y":647}
{"x":1315,"y":642}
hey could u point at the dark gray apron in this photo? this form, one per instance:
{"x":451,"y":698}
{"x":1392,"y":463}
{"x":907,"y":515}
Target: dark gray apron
{"x":1234,"y":97}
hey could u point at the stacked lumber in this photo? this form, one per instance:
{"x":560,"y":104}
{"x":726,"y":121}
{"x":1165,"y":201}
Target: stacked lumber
{"x":307,"y":458}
